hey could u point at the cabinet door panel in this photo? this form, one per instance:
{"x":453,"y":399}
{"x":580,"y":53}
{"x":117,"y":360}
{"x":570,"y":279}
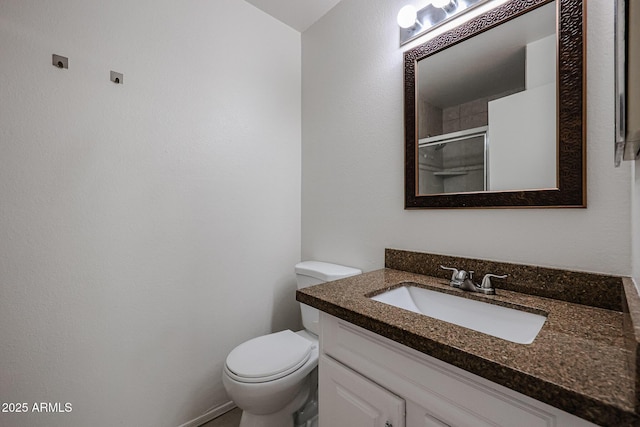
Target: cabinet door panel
{"x":349,"y":399}
{"x":429,"y":421}
{"x":426,"y":420}
{"x":417,"y":416}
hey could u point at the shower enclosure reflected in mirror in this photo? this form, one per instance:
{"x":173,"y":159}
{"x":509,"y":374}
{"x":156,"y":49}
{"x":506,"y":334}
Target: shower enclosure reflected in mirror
{"x":493,"y":111}
{"x":454,"y":162}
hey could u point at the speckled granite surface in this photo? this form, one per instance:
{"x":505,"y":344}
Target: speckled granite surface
{"x":583,"y":361}
{"x":603,"y":291}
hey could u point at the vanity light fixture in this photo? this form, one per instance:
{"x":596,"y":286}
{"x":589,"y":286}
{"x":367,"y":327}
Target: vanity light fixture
{"x":449,"y":6}
{"x":413,"y":23}
{"x":408,"y":17}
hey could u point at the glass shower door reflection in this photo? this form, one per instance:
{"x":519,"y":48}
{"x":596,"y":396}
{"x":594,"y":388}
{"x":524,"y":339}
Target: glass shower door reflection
{"x":453,"y":163}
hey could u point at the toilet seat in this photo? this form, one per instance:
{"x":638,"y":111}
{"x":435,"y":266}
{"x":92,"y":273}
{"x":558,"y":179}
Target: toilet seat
{"x":268,"y":357}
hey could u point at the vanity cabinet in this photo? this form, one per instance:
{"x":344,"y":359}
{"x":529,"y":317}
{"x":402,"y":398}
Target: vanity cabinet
{"x":368,"y":380}
{"x":353,"y":400}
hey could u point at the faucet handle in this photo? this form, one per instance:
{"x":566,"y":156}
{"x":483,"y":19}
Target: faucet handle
{"x":454,"y":271}
{"x":461,"y":275}
{"x":486,"y":280}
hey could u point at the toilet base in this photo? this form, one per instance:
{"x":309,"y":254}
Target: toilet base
{"x":278,"y":419}
{"x":282,"y":418}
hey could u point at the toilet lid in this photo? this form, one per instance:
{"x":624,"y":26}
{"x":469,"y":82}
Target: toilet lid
{"x":269,"y":357}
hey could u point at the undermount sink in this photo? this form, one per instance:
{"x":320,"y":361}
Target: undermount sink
{"x":510,"y":324}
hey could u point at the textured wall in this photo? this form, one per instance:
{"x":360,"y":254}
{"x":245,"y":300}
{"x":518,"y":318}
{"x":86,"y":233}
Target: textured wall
{"x":352,"y":160}
{"x":635,"y":218}
{"x":147,"y":228}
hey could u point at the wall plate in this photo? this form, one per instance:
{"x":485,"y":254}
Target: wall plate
{"x":117,"y":78}
{"x":60,"y":61}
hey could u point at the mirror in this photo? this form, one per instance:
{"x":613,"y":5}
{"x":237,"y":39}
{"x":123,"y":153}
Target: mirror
{"x":494,"y":111}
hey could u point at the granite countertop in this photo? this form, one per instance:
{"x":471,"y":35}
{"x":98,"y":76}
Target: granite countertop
{"x":579,"y":362}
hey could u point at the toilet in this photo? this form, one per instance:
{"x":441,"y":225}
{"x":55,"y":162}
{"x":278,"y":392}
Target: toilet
{"x":273,"y":378}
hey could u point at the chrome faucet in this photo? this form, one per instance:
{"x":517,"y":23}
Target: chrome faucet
{"x":457,"y":277}
{"x":464,"y":280}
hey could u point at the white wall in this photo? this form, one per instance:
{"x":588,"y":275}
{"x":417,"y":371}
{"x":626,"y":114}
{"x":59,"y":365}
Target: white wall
{"x":522,"y":140}
{"x":635,"y":224}
{"x":352,"y":160}
{"x":635,"y":211}
{"x":541,"y":62}
{"x":147,"y":228}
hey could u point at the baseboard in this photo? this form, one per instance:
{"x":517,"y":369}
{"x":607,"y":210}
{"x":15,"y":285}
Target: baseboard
{"x":209,"y":415}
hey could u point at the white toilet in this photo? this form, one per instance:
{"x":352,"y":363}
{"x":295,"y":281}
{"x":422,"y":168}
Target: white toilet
{"x":273,"y":378}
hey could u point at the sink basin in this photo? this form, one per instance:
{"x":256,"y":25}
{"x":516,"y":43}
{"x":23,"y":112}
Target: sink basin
{"x":510,"y":324}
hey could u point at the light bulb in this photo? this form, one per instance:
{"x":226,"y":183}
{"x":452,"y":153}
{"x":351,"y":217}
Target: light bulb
{"x":440,"y":3}
{"x":407,"y":16}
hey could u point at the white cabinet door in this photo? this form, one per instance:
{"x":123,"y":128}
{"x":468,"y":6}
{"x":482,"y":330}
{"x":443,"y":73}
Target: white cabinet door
{"x":420,"y":417}
{"x":349,"y":399}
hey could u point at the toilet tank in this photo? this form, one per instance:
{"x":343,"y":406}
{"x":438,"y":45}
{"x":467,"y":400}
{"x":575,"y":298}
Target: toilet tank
{"x":309,"y":273}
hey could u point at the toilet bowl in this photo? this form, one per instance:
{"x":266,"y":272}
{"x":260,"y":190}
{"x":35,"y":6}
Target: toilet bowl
{"x":274,"y":376}
{"x":268,"y":388}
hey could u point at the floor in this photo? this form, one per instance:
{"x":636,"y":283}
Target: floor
{"x":230,"y":419}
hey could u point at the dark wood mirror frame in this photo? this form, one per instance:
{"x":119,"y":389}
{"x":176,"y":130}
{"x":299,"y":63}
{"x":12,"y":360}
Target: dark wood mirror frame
{"x":571,"y":191}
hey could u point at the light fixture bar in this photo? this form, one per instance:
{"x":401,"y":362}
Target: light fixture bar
{"x":431,"y":16}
